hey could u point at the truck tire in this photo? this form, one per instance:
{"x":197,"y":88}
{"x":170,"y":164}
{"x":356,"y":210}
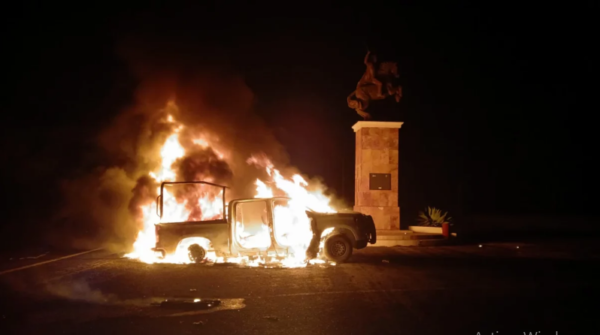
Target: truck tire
{"x":196,"y":253}
{"x":337,"y":248}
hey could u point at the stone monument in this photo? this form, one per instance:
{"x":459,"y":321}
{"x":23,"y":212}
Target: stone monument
{"x":376,"y":184}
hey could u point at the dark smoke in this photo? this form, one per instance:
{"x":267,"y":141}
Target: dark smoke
{"x":203,"y":164}
{"x":209,"y":98}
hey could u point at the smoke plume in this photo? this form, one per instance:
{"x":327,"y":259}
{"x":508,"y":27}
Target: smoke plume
{"x":195,"y":86}
{"x":204,"y":94}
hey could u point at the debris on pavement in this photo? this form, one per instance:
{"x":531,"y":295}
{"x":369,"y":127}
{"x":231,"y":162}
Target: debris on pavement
{"x":190,"y":304}
{"x":192,"y":290}
{"x":271,"y":318}
{"x":385,"y":261}
{"x":198,"y":323}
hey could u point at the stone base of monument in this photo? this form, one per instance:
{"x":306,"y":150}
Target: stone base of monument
{"x":376,"y":172}
{"x":387,"y":217}
{"x":407,"y":238}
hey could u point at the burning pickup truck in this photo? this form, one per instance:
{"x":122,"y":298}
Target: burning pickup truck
{"x":264,"y":227}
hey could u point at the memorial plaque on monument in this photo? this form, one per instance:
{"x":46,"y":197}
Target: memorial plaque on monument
{"x":380,"y":181}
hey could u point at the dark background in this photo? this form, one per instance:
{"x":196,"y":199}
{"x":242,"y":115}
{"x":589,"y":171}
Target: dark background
{"x":498,"y":100}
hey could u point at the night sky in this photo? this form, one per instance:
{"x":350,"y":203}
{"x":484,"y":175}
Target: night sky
{"x":497,"y":100}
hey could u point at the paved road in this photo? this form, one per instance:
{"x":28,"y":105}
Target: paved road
{"x":404,"y":290}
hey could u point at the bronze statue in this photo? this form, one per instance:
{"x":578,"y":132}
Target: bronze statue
{"x":377,"y":83}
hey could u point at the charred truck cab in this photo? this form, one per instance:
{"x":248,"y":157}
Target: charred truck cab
{"x":253,"y":227}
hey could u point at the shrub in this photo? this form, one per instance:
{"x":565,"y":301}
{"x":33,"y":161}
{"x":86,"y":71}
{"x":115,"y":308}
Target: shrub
{"x":433,"y":217}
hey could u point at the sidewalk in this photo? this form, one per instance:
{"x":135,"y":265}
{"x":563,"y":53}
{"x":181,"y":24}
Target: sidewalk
{"x":568,"y":248}
{"x":408,"y":238}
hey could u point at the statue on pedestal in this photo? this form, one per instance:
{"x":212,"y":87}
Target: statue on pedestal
{"x":377,"y":83}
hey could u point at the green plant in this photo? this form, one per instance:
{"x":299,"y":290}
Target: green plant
{"x":433,"y":217}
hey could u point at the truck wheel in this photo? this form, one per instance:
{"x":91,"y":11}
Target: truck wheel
{"x":196,"y":253}
{"x":337,"y":249}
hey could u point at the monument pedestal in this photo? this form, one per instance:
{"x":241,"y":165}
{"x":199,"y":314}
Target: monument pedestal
{"x":376,"y":190}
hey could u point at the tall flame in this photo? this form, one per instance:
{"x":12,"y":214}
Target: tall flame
{"x":291,"y":224}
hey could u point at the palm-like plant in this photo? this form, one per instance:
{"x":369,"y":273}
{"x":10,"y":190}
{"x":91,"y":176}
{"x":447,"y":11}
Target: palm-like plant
{"x":433,"y":217}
